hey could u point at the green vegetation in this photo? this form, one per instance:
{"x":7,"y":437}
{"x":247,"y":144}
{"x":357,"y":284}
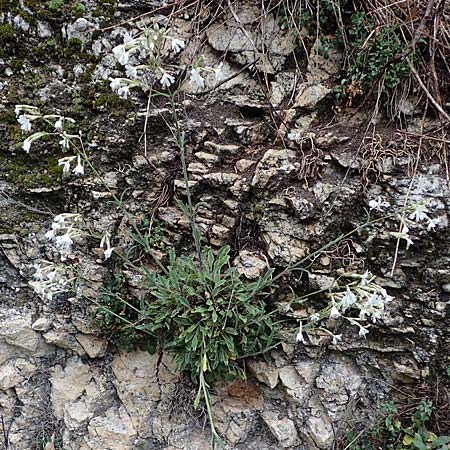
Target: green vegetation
{"x":391,"y":434}
{"x":78,"y":10}
{"x":55,"y":5}
{"x":372,"y":42}
{"x":7,"y":32}
{"x":368,"y":69}
{"x":201,"y":311}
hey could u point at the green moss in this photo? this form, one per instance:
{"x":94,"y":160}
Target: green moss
{"x":75,"y":44}
{"x":9,"y":5}
{"x":77,"y":10}
{"x":8,"y":117}
{"x":27,"y":171}
{"x":55,"y":5}
{"x":7,"y":32}
{"x":106,"y":10}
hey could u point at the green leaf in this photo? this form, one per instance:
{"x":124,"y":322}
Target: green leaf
{"x":441,"y":440}
{"x":418,"y":442}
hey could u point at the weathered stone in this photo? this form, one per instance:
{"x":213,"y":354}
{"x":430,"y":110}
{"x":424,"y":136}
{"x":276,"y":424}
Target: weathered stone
{"x":221,"y":179}
{"x":309,"y":95}
{"x":137,"y":386}
{"x":18,"y":332}
{"x":250,"y":264}
{"x":282,"y":428}
{"x":274,"y":165}
{"x":208,"y":158}
{"x":63,"y":339}
{"x":263,"y":372}
{"x":68,"y":384}
{"x":244,"y":164}
{"x":245,"y":45}
{"x":94,"y":346}
{"x":320,"y":67}
{"x":14,"y":372}
{"x":41,"y":324}
{"x":113,"y":431}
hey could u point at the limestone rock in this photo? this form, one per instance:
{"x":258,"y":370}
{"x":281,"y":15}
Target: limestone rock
{"x":274,"y":165}
{"x":246,"y":45}
{"x":68,"y":384}
{"x":42,"y":324}
{"x":321,"y":68}
{"x":218,"y":179}
{"x":18,"y":332}
{"x":14,"y":372}
{"x":113,"y":431}
{"x":310,"y":94}
{"x":250,"y":264}
{"x":263,"y":372}
{"x":63,"y":339}
{"x":94,"y":346}
{"x":282,"y":428}
{"x":137,"y":386}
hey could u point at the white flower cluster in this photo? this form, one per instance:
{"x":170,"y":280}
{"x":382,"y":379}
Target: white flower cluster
{"x":65,"y":230}
{"x":106,"y":246}
{"x":362,"y":296}
{"x":148,"y":46}
{"x":27,"y":114}
{"x":416,"y":215}
{"x":49,"y":279}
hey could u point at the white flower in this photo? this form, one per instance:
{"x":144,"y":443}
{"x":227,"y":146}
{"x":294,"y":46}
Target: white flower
{"x":299,"y":337}
{"x":177,"y":45}
{"x":130,"y":71}
{"x":218,"y":73}
{"x":349,"y":299}
{"x":105,"y":240}
{"x":27,"y":108}
{"x":59,"y":124}
{"x":64,"y":142}
{"x":403,"y":236}
{"x":387,"y":298}
{"x":25,"y":123}
{"x":104,"y":243}
{"x":65,"y":162}
{"x":365,"y":278}
{"x":79,"y":169}
{"x":166,"y":79}
{"x":27,"y":145}
{"x":108,"y":252}
{"x":123,"y":92}
{"x":363,"y":331}
{"x":376,"y":301}
{"x":379,"y":204}
{"x":295,"y":136}
{"x":334,"y":312}
{"x":115,"y":84}
{"x":432,"y":224}
{"x":419,"y":213}
{"x":336,"y":338}
{"x":121,"y":54}
{"x":314,"y":317}
{"x":127,"y":38}
{"x":64,"y":242}
{"x":197,"y":79}
{"x":51,"y":275}
{"x":50,"y":235}
{"x":78,"y":70}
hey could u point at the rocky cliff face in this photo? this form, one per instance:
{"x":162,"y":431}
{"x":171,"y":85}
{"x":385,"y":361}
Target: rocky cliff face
{"x":276,"y":174}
